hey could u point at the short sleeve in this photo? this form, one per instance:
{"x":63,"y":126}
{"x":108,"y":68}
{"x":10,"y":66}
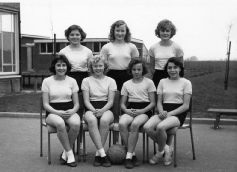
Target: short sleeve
{"x":85,"y":85}
{"x":179,"y":51}
{"x":151,"y":87}
{"x":151,"y":52}
{"x":124,"y":91}
{"x":160,"y":87}
{"x":45,"y":87}
{"x":188,"y":87}
{"x":112,"y":86}
{"x":75,"y":87}
{"x":104,"y":51}
{"x":135,"y":52}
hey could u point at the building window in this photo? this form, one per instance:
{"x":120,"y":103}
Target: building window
{"x":96,"y":47}
{"x":48,"y":48}
{"x":9,"y":44}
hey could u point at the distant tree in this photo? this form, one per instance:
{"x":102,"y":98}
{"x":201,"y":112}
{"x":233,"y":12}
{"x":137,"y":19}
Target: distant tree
{"x":192,"y":58}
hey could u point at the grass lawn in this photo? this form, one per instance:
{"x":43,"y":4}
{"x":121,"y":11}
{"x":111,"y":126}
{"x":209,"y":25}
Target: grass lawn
{"x":208,"y":91}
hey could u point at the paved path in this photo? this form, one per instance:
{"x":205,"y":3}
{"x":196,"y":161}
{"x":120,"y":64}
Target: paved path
{"x":19,"y":150}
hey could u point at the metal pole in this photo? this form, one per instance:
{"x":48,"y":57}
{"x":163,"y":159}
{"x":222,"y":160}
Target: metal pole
{"x":227,"y":67}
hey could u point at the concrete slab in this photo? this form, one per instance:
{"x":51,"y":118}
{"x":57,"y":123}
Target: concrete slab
{"x":20,"y":150}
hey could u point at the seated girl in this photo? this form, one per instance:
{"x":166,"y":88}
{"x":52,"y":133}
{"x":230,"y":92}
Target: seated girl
{"x":98,"y":94}
{"x":139,"y":94}
{"x":60,"y":100}
{"x":174,"y":95}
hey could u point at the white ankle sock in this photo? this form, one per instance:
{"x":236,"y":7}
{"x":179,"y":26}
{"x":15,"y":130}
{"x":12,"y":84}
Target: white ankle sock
{"x":166,"y":149}
{"x":159,"y":154}
{"x":133,"y":154}
{"x":97,"y":153}
{"x":70,"y":156}
{"x":129,"y":155}
{"x":64,"y":156}
{"x":102,"y":152}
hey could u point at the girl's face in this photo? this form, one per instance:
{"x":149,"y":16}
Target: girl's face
{"x":74,"y":37}
{"x":98,"y":68}
{"x":60,"y":68}
{"x":165,"y":34}
{"x":120,"y":32}
{"x":173,"y":71}
{"x":137,"y":70}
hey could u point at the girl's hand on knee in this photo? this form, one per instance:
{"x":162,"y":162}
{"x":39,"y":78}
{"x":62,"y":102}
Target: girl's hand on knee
{"x":162,"y":115}
{"x":131,"y":112}
{"x":63,"y":114}
{"x":99,"y":112}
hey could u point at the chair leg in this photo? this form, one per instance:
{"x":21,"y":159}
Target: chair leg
{"x":154,"y":143}
{"x":110,"y":132}
{"x":84,"y":147}
{"x":175,"y":146}
{"x":191,"y":133}
{"x":147,"y":148}
{"x":41,"y":140}
{"x":49,"y":150}
{"x":78,"y":146}
{"x":144,"y":145}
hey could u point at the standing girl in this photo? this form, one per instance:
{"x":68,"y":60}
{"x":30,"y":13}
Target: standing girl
{"x":60,"y":100}
{"x":119,"y":52}
{"x":98,"y":93}
{"x":139,"y":93}
{"x":174,"y":95}
{"x":76,"y":53}
{"x":163,"y":50}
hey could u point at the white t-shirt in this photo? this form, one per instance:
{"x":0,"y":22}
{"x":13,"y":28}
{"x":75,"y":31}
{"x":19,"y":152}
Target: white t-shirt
{"x":59,"y":91}
{"x":163,"y":53}
{"x":77,"y":57}
{"x":173,"y":90}
{"x":98,"y":88}
{"x":119,"y":55}
{"x":138,"y":92}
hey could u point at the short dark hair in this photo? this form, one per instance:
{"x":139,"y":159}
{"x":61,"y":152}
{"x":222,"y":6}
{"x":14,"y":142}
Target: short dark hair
{"x":177,"y":61}
{"x":163,"y":25}
{"x":60,"y":58}
{"x":118,"y":23}
{"x":135,"y":61}
{"x":75,"y":27}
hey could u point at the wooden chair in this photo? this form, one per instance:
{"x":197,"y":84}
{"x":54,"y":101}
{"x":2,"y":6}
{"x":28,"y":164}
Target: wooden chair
{"x":84,"y":126}
{"x":115,"y":128}
{"x":51,"y":130}
{"x":173,"y":131}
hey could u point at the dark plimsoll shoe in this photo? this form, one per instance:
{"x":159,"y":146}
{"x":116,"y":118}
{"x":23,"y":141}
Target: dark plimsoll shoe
{"x":62,"y":161}
{"x":105,"y":161}
{"x":128,"y":163}
{"x":135,"y":161}
{"x":97,"y":161}
{"x":72,"y":164}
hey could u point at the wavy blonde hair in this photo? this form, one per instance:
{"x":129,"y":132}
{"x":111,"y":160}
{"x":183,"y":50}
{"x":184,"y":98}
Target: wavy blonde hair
{"x":95,"y":59}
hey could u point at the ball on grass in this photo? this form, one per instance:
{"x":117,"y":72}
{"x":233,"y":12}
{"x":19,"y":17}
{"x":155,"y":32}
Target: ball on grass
{"x":116,"y":154}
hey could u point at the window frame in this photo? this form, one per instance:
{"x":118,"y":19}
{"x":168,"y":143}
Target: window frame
{"x":15,"y":55}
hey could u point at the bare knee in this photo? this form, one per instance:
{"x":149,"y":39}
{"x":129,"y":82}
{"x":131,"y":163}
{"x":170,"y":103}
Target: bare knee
{"x":160,"y":128}
{"x":148,"y":128}
{"x":135,"y":126}
{"x":60,"y":125}
{"x":123,"y":125}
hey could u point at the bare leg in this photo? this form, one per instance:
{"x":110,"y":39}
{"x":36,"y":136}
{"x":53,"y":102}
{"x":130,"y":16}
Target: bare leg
{"x":74,"y":124}
{"x":134,"y":133}
{"x":150,"y":127}
{"x":91,"y":120}
{"x":105,"y":121}
{"x":124,"y":121}
{"x":58,"y":122}
{"x":161,"y":128}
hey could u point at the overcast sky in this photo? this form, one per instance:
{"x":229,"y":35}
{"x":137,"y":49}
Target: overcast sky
{"x":202,"y":25}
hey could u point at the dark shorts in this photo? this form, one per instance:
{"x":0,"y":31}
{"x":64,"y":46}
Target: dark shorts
{"x":158,"y":75}
{"x":97,"y":105}
{"x":120,"y":76}
{"x":140,"y":105}
{"x":170,"y":106}
{"x":78,"y":76}
{"x":61,"y":106}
